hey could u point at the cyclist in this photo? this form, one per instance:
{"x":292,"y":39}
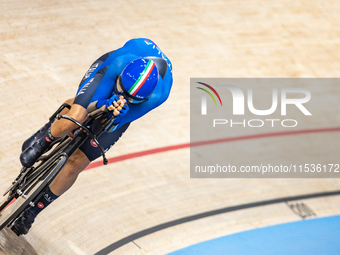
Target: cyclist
{"x":130,"y":82}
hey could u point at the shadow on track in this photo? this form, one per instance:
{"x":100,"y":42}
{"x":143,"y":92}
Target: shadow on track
{"x":10,"y":244}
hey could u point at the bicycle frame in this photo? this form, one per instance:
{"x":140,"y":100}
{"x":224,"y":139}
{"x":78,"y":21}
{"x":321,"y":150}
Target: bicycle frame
{"x":26,"y":189}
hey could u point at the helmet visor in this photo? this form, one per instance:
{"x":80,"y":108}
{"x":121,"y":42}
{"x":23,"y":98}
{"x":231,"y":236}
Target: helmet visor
{"x":120,"y":90}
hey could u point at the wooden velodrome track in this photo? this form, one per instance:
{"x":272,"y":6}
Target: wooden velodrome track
{"x":45,"y":48}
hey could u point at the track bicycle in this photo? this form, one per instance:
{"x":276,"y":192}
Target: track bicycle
{"x":29,"y":185}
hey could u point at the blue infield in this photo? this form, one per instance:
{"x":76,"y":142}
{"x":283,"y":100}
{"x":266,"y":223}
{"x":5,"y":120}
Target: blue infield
{"x":318,"y":236}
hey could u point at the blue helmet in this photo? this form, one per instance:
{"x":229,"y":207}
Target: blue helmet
{"x":138,"y":80}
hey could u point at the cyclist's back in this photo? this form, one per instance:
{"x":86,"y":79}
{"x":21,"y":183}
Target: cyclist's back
{"x":113,"y":65}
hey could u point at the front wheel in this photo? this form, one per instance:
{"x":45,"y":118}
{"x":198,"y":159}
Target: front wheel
{"x":29,"y":193}
{"x":7,"y":200}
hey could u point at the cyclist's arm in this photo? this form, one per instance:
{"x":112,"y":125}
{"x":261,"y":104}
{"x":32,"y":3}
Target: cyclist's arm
{"x":62,"y":127}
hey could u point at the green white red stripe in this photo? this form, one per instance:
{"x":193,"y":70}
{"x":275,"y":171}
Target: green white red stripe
{"x":142,"y":78}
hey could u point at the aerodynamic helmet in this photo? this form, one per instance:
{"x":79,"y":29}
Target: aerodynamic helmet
{"x":138,"y":80}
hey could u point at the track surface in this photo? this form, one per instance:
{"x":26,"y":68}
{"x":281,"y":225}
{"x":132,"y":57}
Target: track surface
{"x":46,"y":47}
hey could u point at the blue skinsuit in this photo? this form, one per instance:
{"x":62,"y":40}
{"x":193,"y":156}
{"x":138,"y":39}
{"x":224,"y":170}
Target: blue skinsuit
{"x":99,"y":81}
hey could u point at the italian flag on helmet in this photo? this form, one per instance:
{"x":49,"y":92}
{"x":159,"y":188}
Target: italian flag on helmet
{"x":139,"y":78}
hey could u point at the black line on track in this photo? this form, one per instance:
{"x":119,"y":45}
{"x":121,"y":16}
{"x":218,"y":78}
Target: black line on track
{"x":159,"y":227}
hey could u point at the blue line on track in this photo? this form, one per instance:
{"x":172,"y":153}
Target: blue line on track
{"x":318,"y":236}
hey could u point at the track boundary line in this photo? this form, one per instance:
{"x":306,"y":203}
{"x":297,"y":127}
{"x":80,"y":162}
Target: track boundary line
{"x":165,"y":225}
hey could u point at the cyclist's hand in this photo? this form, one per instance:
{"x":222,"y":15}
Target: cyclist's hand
{"x":118,"y":105}
{"x":123,"y":109}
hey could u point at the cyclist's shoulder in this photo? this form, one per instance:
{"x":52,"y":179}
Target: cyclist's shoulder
{"x":133,"y":49}
{"x":144,"y":47}
{"x":139,"y":42}
{"x":121,"y":61}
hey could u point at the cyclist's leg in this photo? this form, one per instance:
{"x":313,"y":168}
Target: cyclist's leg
{"x":81,"y":158}
{"x":36,"y":136}
{"x":68,"y":175}
{"x":78,"y":161}
{"x":58,"y":129}
{"x":106,"y":140}
{"x":63,"y":181}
